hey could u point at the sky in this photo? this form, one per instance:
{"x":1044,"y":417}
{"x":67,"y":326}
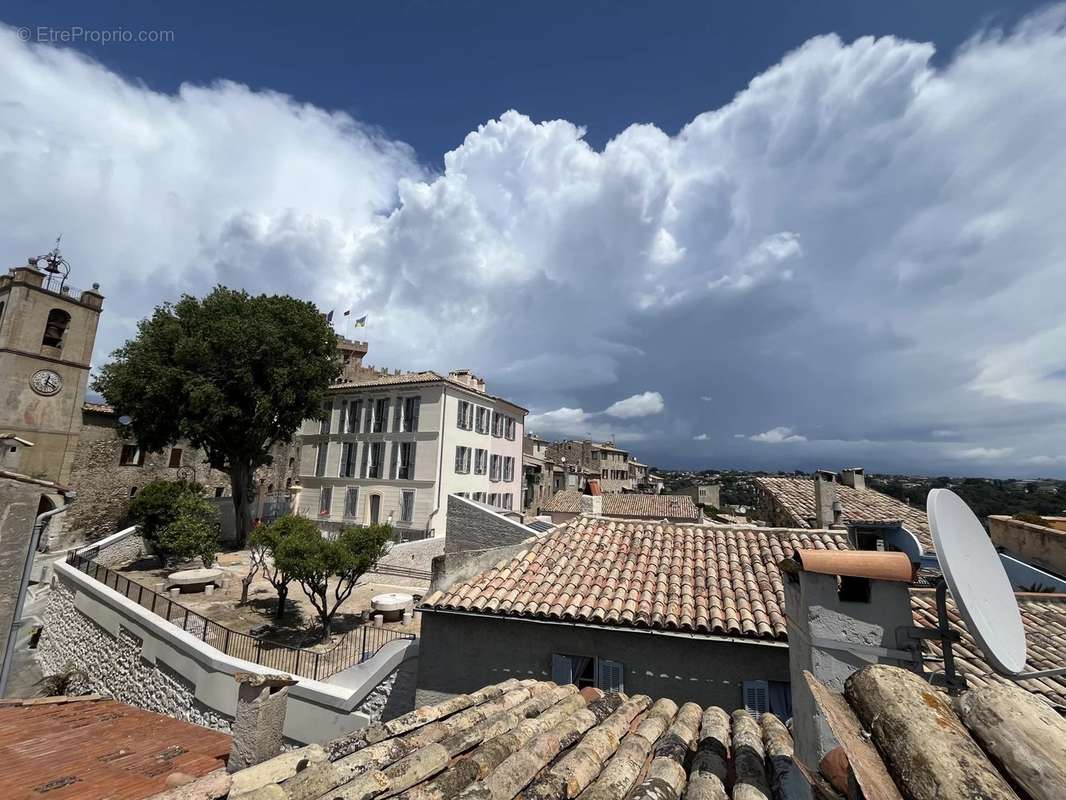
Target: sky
{"x":767,"y":236}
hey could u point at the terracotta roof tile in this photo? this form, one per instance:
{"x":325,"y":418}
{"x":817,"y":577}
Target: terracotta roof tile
{"x":540,"y":741}
{"x":695,"y":578}
{"x":796,"y":497}
{"x":644,"y":506}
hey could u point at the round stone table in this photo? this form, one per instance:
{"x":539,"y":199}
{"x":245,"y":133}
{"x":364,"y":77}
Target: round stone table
{"x":194,"y":580}
{"x":391,"y":605}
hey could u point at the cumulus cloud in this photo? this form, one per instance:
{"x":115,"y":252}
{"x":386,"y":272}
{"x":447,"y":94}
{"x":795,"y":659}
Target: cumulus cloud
{"x":639,"y":405}
{"x":831,"y":247}
{"x":701,"y":437}
{"x":777,"y":435}
{"x":982,"y":453}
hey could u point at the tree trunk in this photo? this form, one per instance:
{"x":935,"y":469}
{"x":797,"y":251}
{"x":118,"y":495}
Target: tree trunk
{"x":241,"y":487}
{"x":283,"y":593}
{"x":246,"y":582}
{"x":327,"y":626}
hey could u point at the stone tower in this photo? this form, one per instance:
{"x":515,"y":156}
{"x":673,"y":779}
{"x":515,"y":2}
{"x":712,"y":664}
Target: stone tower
{"x":47,"y":331}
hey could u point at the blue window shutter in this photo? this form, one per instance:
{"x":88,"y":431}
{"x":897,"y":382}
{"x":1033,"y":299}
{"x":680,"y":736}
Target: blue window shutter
{"x":756,"y":697}
{"x":562,"y":669}
{"x":610,"y":675}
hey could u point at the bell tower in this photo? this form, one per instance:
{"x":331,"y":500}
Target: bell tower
{"x":47,"y":331}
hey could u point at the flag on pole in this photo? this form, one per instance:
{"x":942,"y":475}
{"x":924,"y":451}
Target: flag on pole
{"x":361,"y":322}
{"x":329,"y":316}
{"x":346,"y":313}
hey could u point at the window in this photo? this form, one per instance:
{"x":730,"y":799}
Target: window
{"x":479,"y":497}
{"x":481,"y":461}
{"x":325,"y":500}
{"x":756,"y":697}
{"x":508,"y":468}
{"x":410,"y":414}
{"x":507,"y":500}
{"x":327,"y":419}
{"x":175,"y":457}
{"x":347,"y":469}
{"x":351,"y":502}
{"x":320,"y":460}
{"x":497,"y":424}
{"x":482,"y":420}
{"x":381,"y":414}
{"x":219,"y":491}
{"x":132,"y":456}
{"x":465,"y":418}
{"x":494,"y":499}
{"x":494,"y":468}
{"x":133,"y":491}
{"x":354,"y":416}
{"x":462,"y":460}
{"x":509,"y":428}
{"x":407,"y":506}
{"x":587,"y":671}
{"x":403,"y":458}
{"x":374,"y":462}
{"x":55,"y":328}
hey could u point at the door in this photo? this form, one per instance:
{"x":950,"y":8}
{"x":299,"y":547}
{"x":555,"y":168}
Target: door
{"x":375,"y":508}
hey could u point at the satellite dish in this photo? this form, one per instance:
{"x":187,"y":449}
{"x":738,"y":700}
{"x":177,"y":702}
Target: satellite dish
{"x":977,"y":581}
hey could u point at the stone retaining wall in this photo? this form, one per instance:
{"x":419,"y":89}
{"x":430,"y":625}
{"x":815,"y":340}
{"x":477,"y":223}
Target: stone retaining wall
{"x":114,"y":666}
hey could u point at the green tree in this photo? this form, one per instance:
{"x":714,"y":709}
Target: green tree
{"x":312,"y":560}
{"x":157,"y":506}
{"x":265,"y":541}
{"x":192,"y":534}
{"x":231,"y":373}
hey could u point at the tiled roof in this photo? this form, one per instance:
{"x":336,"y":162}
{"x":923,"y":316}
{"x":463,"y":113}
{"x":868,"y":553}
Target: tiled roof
{"x":647,"y":506}
{"x":1044,"y":618}
{"x":541,"y":741}
{"x":702,"y":579}
{"x":796,"y":497}
{"x":90,"y":747}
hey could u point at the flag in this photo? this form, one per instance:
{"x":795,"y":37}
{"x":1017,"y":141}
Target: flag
{"x":329,"y":316}
{"x":346,"y":313}
{"x":361,"y":322}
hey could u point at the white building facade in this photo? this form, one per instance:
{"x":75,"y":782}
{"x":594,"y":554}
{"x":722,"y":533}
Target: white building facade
{"x":395,"y":446}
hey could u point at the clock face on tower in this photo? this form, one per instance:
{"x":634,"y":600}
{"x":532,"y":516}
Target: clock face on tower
{"x":46,"y":382}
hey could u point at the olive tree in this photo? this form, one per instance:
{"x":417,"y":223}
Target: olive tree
{"x":313,"y":560}
{"x":264,"y":544}
{"x":232,"y":373}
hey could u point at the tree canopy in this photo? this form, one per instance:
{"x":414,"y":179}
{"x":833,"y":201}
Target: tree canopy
{"x":175,"y":520}
{"x":312,"y":560}
{"x":231,"y":373}
{"x":265,"y":541}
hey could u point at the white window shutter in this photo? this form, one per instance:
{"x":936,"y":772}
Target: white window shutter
{"x":395,"y":468}
{"x":411,"y":462}
{"x":610,"y":677}
{"x":756,"y":697}
{"x":562,"y":669}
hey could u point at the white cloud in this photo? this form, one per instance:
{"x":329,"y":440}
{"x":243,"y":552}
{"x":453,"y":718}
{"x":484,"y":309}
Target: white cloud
{"x":760,"y":245}
{"x":981,"y":453}
{"x":565,"y":421}
{"x":702,"y":437}
{"x":638,"y":405}
{"x":777,"y":435}
{"x":706,"y":398}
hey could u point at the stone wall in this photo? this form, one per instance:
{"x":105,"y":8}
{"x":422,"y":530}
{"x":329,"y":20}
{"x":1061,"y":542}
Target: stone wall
{"x":114,"y":666}
{"x":19,"y":500}
{"x":105,"y":486}
{"x":1040,"y":545}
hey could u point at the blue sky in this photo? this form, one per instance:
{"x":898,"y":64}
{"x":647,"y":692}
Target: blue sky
{"x":750,"y":235}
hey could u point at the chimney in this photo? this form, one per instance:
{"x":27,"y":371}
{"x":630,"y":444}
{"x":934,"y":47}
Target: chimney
{"x":260,"y":718}
{"x":854,"y":477}
{"x":592,"y":499}
{"x":825,"y":495}
{"x":845,"y":609}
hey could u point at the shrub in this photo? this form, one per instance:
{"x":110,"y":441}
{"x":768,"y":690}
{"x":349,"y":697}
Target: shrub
{"x":1030,"y":517}
{"x":193,"y":533}
{"x":157,"y":506}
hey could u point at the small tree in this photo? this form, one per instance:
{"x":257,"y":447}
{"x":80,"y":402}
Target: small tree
{"x":193,"y":533}
{"x":231,"y":373}
{"x":157,"y":506}
{"x":312,"y":560}
{"x":265,"y":542}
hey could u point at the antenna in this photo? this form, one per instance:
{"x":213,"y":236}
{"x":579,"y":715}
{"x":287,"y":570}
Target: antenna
{"x":979,"y":584}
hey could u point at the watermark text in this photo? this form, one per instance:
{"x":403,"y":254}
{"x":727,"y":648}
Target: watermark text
{"x":76,"y":34}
